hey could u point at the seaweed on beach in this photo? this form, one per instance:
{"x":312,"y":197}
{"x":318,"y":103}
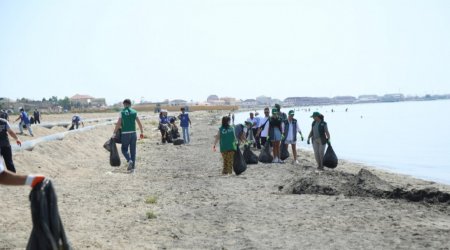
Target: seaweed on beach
{"x":364,"y":184}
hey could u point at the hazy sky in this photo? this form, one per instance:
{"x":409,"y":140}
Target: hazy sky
{"x":241,"y":48}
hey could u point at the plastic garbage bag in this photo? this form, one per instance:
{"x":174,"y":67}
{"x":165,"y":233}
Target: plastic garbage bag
{"x":178,"y":141}
{"x":265,"y":156}
{"x":239,"y":165}
{"x":249,"y":156}
{"x":284,"y":154}
{"x":114,"y":158}
{"x":107,"y":146}
{"x":330,"y":159}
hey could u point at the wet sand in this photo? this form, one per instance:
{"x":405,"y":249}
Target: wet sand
{"x":195,"y":207}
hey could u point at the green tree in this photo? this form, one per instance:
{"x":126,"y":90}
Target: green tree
{"x":65,"y":103}
{"x":53,"y":99}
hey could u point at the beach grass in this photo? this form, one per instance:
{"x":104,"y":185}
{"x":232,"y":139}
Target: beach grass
{"x":150,"y":215}
{"x":151,"y":200}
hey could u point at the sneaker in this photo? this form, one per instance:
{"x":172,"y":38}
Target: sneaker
{"x":130,"y":166}
{"x":296,"y":162}
{"x":275,"y":160}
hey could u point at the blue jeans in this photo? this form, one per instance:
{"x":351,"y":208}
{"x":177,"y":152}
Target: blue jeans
{"x":129,"y":141}
{"x":28,"y":127}
{"x":186,"y":134}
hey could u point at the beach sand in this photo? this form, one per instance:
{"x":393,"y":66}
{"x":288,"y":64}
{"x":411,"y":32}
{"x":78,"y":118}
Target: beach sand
{"x":103,"y":207}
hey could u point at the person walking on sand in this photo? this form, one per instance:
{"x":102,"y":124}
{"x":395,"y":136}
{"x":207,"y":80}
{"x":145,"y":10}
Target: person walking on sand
{"x":127,"y":122}
{"x":24,"y":121}
{"x":276,"y":134}
{"x":227,"y":138}
{"x":185,"y":123}
{"x":37,"y":116}
{"x":320,"y":136}
{"x":5,"y":146}
{"x":291,"y":128}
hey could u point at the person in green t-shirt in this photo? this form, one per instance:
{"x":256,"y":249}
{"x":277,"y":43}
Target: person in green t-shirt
{"x":227,"y":140}
{"x":127,"y":122}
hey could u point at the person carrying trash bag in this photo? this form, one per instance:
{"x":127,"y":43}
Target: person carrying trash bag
{"x":226,"y":136}
{"x":127,"y":122}
{"x":320,"y":136}
{"x":48,"y":231}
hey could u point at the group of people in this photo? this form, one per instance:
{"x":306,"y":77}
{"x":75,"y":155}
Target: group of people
{"x":277,"y":130}
{"x":169,"y":129}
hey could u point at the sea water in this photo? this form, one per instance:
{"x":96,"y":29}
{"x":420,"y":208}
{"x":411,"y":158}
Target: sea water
{"x":406,"y":137}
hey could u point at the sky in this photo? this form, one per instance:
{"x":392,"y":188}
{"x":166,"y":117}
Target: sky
{"x":183,"y":49}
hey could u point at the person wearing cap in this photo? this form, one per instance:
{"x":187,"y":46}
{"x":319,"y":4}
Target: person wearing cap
{"x":127,"y":122}
{"x":320,"y":136}
{"x":281,"y":114}
{"x":24,"y":121}
{"x":185,"y":124}
{"x":276,"y":134}
{"x":291,"y":128}
{"x":5,"y":146}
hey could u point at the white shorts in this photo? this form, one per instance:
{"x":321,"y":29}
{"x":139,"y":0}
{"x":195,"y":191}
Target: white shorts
{"x":290,"y":142}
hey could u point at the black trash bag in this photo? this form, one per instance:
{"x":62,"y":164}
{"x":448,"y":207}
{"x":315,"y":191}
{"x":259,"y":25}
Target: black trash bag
{"x":265,"y":156}
{"x":239,"y":165}
{"x":249,"y":156}
{"x":330,"y":159}
{"x":71,"y":127}
{"x":178,"y":141}
{"x":114,"y":158}
{"x":107,"y":146}
{"x":48,"y":231}
{"x":284,"y":154}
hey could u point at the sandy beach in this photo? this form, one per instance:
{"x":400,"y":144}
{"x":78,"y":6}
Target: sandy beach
{"x":177,"y":199}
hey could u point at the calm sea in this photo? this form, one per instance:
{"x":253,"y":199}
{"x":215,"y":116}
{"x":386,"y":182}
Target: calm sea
{"x":405,"y":137}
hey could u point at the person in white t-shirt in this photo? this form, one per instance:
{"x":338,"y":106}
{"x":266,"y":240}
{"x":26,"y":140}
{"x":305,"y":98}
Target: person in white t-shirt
{"x":291,"y":128}
{"x":263,"y":127}
{"x":253,"y":129}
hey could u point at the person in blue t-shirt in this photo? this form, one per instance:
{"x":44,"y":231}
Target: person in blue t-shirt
{"x":185,"y":123}
{"x":76,"y":120}
{"x":24,"y":121}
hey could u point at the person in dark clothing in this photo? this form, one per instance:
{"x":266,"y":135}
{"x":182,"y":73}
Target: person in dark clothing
{"x":4,"y":115}
{"x":37,"y":116}
{"x":5,"y":146}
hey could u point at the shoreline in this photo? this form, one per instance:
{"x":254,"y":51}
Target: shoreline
{"x":196,"y":207}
